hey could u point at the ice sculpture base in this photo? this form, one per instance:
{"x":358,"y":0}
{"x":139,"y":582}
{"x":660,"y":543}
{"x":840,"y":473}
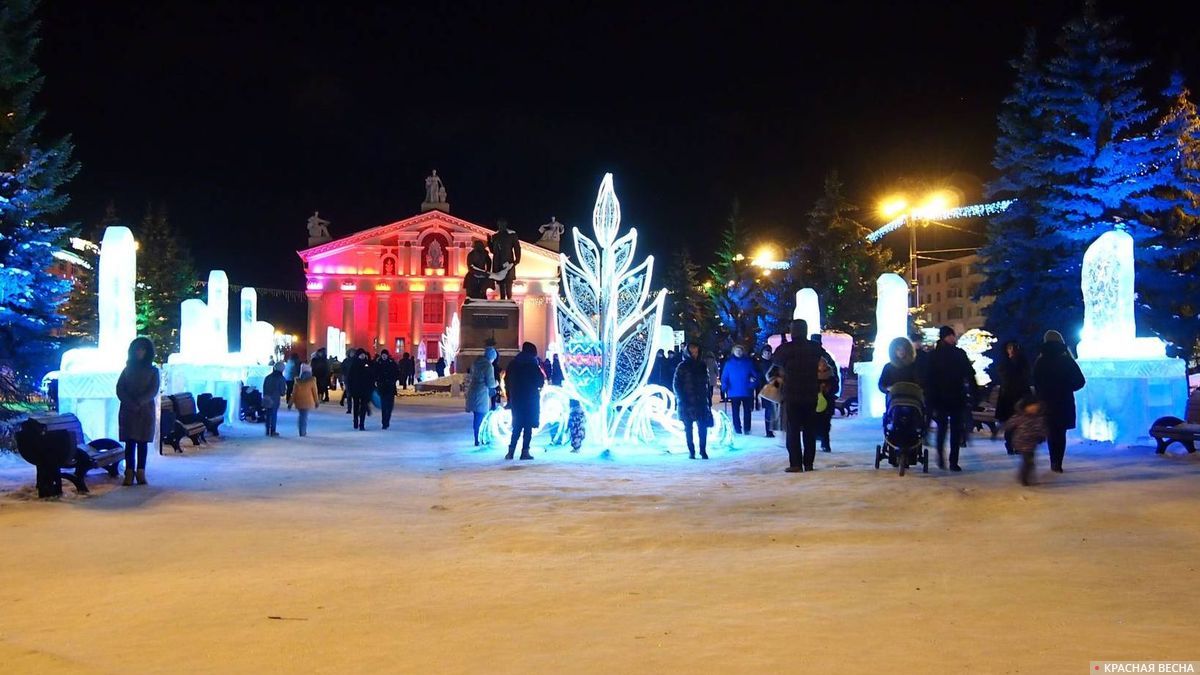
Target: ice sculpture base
{"x":91,"y":396}
{"x":1135,"y":349}
{"x":224,"y":381}
{"x":1123,"y":397}
{"x":871,"y":401}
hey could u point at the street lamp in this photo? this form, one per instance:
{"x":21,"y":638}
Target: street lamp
{"x":925,"y":211}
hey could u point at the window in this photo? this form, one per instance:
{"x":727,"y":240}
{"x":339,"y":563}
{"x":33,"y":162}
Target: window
{"x":973,"y":290}
{"x":954,"y":313}
{"x":939,"y":277}
{"x":954,"y":272}
{"x":939,"y":296}
{"x":434,"y":309}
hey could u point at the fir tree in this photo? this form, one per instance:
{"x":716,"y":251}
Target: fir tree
{"x":32,"y":176}
{"x":1169,"y":291}
{"x":166,"y":277}
{"x":687,"y":304}
{"x":1014,"y":259}
{"x":733,"y":294}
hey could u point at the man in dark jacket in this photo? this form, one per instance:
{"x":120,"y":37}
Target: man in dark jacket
{"x":1057,"y":377}
{"x":693,"y":399}
{"x":320,"y":371}
{"x":950,"y":381}
{"x":523,"y":381}
{"x":361,"y":383}
{"x":387,"y":372}
{"x":798,"y":360}
{"x":763,"y":364}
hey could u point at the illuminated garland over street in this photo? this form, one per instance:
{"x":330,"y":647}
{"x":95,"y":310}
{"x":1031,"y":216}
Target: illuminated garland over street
{"x":973,"y":211}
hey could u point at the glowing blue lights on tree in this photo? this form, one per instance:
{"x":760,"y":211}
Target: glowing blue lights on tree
{"x":609,"y":324}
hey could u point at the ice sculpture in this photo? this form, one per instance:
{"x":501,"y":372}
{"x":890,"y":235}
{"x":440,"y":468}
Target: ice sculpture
{"x":450,"y":339}
{"x":808,"y":307}
{"x":88,"y":376}
{"x":204,"y":363}
{"x":891,"y":322}
{"x":610,"y":329}
{"x":977,"y":343}
{"x":335,"y":342}
{"x":1130,"y":380}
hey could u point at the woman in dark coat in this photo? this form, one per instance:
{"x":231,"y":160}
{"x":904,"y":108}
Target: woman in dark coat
{"x":523,"y":379}
{"x":1013,"y":374}
{"x":1057,"y":377}
{"x":137,"y":389}
{"x":693,"y":398}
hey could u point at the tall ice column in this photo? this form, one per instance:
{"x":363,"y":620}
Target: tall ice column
{"x":118,"y":280}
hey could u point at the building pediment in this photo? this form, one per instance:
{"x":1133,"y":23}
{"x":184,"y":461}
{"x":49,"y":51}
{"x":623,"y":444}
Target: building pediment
{"x":415,"y":230}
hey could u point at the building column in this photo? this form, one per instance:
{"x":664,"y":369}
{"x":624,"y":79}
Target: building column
{"x":382,"y":316}
{"x":316,"y":321}
{"x":551,"y":310}
{"x":452,"y":307}
{"x":414,"y":254}
{"x":418,"y":321}
{"x":348,"y":319}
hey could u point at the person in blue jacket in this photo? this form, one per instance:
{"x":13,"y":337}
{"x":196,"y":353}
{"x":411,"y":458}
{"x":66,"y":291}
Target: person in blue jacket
{"x":739,"y":382}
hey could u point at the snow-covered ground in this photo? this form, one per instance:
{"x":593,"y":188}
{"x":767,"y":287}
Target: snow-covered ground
{"x":412,"y":551}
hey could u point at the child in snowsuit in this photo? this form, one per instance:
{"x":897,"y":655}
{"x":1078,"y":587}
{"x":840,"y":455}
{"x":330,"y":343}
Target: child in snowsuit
{"x":576,"y":426}
{"x":1027,"y":427}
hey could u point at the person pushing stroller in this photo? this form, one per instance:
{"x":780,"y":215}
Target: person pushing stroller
{"x":904,"y":422}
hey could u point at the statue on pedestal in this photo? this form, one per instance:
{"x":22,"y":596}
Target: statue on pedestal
{"x":551,"y":234}
{"x":435,"y":194}
{"x":479,"y":265}
{"x":506,"y":255}
{"x":318,"y":229}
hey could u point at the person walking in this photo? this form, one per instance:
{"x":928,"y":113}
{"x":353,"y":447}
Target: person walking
{"x":901,"y":365}
{"x":739,"y":382}
{"x":274,"y":388}
{"x":1028,"y":428}
{"x":828,"y":384}
{"x":481,"y":383}
{"x":440,"y":366}
{"x":1056,"y":378}
{"x":348,"y":365}
{"x":306,"y":396}
{"x":693,"y":399}
{"x":1013,"y":374}
{"x":798,"y":360}
{"x":137,"y":390}
{"x":658,"y":370}
{"x":387,"y":373}
{"x":556,"y":372}
{"x":361,"y":383}
{"x":763,"y":364}
{"x":951,"y":379}
{"x":290,"y":372}
{"x":320,"y":372}
{"x":523,"y":380}
{"x":335,"y":374}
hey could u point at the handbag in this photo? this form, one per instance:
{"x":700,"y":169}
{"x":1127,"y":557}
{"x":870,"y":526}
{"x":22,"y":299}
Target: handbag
{"x":772,"y":391}
{"x":822,"y":403}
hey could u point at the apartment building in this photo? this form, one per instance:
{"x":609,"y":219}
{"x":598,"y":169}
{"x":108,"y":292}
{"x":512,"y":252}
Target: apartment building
{"x":946,"y":290}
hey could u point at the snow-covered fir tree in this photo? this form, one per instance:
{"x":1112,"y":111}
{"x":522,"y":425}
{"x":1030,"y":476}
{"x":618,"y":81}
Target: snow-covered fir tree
{"x":33,"y":173}
{"x":1169,"y":287}
{"x":166,"y":278}
{"x":733,"y":294}
{"x":687,"y":305}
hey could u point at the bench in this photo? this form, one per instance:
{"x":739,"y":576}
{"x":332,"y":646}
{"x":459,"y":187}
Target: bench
{"x":984,"y":414}
{"x":187,"y":419}
{"x":1168,"y":430}
{"x":847,"y":402}
{"x":212,"y":411}
{"x":55,"y":442}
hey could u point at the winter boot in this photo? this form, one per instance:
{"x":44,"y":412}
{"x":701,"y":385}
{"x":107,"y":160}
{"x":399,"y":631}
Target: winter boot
{"x":703,"y":454}
{"x":140,"y":477}
{"x":511,"y":452}
{"x":128,"y":477}
{"x":525,"y":454}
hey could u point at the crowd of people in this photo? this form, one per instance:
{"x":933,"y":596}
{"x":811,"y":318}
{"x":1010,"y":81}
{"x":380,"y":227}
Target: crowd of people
{"x":794,"y":386}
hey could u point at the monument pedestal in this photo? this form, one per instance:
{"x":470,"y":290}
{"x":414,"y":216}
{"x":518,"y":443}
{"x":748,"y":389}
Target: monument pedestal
{"x":871,"y":401}
{"x":483,"y":320}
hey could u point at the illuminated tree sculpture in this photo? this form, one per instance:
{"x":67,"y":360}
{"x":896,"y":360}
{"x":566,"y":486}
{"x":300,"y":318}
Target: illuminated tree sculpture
{"x":609,"y":332}
{"x":450,"y":339}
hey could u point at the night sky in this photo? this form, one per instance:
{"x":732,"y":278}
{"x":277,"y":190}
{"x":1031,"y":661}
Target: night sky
{"x":245,"y":117}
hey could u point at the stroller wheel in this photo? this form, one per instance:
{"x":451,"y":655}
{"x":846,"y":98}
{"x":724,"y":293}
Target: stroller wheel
{"x":901,"y":461}
{"x":878,"y":455}
{"x":924,"y":460}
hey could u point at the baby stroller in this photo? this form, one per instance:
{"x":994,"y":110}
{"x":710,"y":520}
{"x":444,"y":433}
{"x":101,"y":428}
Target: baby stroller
{"x":904,"y":427}
{"x":251,"y":409}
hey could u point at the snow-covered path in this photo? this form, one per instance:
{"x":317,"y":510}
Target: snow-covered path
{"x":411,"y":551}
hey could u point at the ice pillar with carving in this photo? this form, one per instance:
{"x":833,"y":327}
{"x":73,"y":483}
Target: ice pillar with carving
{"x":808,"y":307}
{"x":891,"y":322}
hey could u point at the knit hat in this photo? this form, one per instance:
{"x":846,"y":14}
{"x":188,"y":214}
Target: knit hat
{"x":1053,"y":336}
{"x":490,"y":353}
{"x":305,"y":369}
{"x":945,"y":331}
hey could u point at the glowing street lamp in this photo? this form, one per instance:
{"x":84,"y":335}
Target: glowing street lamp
{"x":901,"y":209}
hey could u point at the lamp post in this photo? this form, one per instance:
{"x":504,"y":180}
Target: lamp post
{"x":914,"y":215}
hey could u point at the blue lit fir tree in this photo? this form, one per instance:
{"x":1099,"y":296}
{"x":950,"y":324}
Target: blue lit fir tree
{"x":32,"y":176}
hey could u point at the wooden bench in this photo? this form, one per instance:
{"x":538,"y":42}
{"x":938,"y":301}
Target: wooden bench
{"x":984,"y":414}
{"x":55,"y":442}
{"x":1168,"y":430}
{"x":847,"y":402}
{"x":187,"y":419}
{"x":212,"y":411}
